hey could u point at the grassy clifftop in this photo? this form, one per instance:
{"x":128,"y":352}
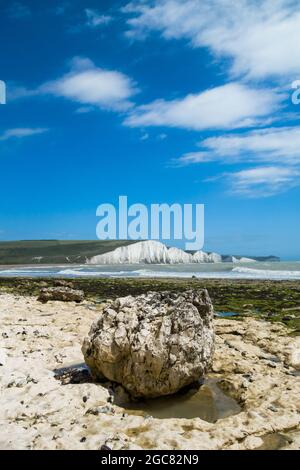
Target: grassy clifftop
{"x":54,"y":251}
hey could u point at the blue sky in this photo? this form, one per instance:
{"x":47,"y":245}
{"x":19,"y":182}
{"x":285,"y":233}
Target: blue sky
{"x":162,"y":101}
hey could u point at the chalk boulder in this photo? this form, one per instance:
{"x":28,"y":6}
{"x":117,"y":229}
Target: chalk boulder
{"x":153,"y":344}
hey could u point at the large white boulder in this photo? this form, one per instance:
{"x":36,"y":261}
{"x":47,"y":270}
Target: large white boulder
{"x":153,"y":344}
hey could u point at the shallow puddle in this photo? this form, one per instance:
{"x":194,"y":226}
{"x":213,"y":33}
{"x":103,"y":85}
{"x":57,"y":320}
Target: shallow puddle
{"x":208,"y":402}
{"x":273,"y":441}
{"x":227,"y":314}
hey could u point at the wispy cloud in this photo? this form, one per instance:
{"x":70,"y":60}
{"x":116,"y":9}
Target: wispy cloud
{"x":96,"y":19}
{"x":21,"y":132}
{"x":144,"y":136}
{"x":262,"y":181}
{"x":229,"y":106}
{"x":15,"y":92}
{"x":260,"y":40}
{"x":85,"y":109}
{"x":18,"y":10}
{"x":261,"y":37}
{"x":89,"y":86}
{"x":281,"y":145}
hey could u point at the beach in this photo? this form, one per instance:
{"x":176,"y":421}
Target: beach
{"x":250,"y":399}
{"x":149,"y":249}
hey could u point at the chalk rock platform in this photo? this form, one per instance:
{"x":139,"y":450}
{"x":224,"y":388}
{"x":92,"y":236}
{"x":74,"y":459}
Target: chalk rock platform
{"x":153,"y":344}
{"x":253,"y":362}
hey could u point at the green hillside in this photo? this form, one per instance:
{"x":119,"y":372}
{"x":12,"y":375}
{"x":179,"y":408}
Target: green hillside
{"x":55,"y":251}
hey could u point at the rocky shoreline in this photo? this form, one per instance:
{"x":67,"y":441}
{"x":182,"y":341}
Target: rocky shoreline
{"x":274,"y":301}
{"x":256,"y":363}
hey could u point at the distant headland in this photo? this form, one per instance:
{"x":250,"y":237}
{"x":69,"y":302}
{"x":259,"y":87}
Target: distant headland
{"x":109,"y":252}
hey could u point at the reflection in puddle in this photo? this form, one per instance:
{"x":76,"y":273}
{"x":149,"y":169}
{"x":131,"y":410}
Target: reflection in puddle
{"x":208,"y":402}
{"x":273,"y":441}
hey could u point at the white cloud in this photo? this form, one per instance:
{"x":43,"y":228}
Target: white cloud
{"x":162,"y":136}
{"x":95,"y":19}
{"x":144,"y":136}
{"x":85,"y":109}
{"x":261,"y":37}
{"x":229,"y":106}
{"x":21,"y":132}
{"x":195,"y":157}
{"x":88,"y":85}
{"x":263,"y":181}
{"x":265,"y":145}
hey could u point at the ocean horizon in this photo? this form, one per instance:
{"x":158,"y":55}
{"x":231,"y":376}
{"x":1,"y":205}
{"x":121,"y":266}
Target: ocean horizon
{"x":281,"y":270}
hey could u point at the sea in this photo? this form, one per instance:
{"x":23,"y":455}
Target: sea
{"x":282,"y":270}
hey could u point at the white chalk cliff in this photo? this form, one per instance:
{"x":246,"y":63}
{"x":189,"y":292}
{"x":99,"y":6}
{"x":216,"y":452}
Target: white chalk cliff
{"x":153,"y":252}
{"x":242,"y":260}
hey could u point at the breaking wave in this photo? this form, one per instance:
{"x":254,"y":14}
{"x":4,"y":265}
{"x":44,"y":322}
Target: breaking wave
{"x":78,"y":272}
{"x":266,"y":273}
{"x":209,"y":271}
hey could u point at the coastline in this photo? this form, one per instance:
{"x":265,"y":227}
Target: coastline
{"x":270,"y":300}
{"x":281,"y":270}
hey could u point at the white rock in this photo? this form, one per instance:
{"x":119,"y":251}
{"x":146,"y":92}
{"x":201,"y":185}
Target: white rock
{"x":175,"y":255}
{"x":152,"y":252}
{"x":200,"y":257}
{"x":295,"y":358}
{"x":156,"y":345}
{"x":243,"y":259}
{"x":253,"y":442}
{"x":214,"y":258}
